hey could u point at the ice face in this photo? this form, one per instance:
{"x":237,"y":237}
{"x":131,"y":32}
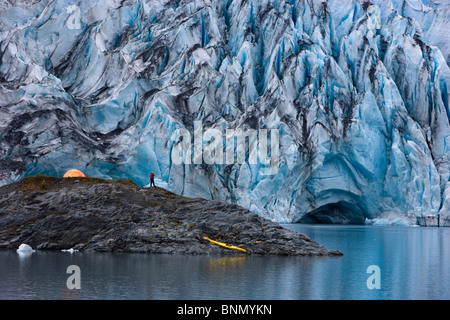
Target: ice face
{"x":357,"y":92}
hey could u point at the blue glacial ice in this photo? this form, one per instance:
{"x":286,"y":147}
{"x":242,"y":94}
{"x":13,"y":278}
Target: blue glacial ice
{"x":358,"y":91}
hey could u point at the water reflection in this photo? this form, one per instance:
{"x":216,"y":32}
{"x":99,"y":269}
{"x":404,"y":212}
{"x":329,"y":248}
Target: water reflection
{"x":413,"y":261}
{"x":225,"y":264}
{"x":24,"y":254}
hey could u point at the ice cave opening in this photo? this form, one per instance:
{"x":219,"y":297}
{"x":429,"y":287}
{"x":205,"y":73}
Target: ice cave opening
{"x":341,"y":212}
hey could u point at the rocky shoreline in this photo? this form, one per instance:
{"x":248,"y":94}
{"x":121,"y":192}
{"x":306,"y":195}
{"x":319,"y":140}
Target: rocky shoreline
{"x":92,"y":214}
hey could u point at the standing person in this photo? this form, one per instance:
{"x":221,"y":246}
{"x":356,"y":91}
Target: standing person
{"x":152,"y":180}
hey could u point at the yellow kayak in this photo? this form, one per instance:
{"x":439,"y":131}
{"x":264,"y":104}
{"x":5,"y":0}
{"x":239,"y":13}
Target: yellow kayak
{"x":225,"y":245}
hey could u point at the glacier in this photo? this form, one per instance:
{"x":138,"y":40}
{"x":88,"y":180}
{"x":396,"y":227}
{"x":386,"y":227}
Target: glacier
{"x":358,"y":91}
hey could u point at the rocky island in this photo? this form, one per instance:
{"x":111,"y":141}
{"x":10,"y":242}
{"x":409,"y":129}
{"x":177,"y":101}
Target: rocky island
{"x":93,"y":214}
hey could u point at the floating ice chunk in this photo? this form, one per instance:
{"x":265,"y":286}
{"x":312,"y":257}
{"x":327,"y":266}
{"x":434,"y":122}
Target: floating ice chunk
{"x":25,"y":248}
{"x":392,"y":219}
{"x":69,"y":250}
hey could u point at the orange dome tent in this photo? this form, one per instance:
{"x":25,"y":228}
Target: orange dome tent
{"x":73,"y":173}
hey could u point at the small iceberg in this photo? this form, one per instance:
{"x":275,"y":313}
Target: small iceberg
{"x":392,"y":219}
{"x":25,"y":249}
{"x":69,"y":250}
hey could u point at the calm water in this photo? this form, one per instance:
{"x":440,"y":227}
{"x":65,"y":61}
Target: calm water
{"x":414,"y":264}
